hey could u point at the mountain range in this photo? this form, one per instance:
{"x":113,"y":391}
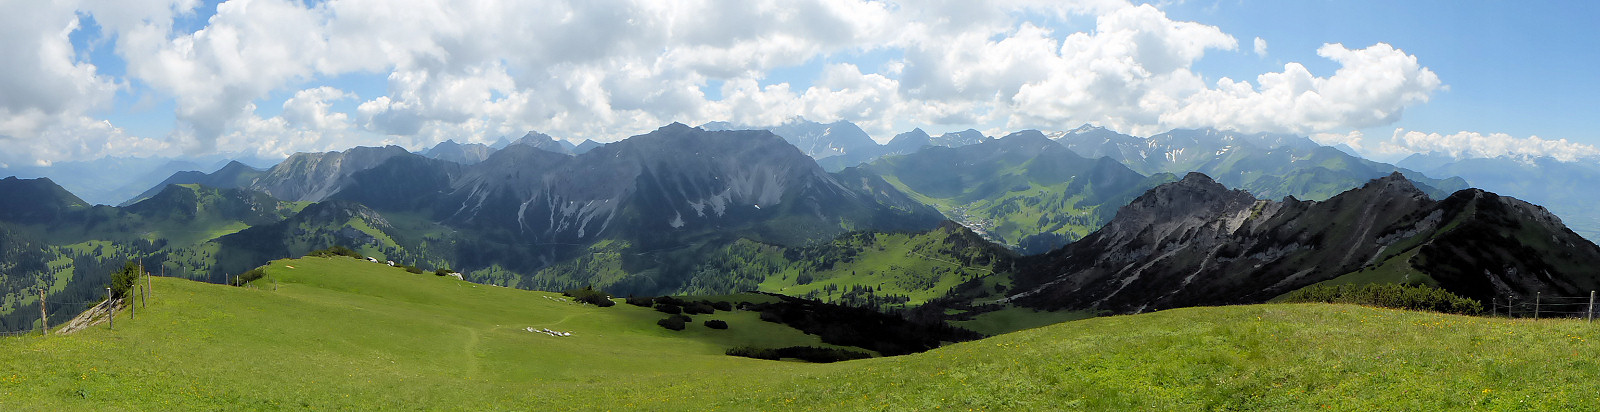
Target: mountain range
{"x":1270,"y":166}
{"x":1086,"y":220}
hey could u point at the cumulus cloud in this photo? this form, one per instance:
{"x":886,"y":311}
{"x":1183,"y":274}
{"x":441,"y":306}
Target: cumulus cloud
{"x":1372,"y":87}
{"x":1477,"y":145}
{"x":1261,"y":47}
{"x":1355,"y":139}
{"x":47,"y":91}
{"x":478,"y":70}
{"x":1131,"y":69}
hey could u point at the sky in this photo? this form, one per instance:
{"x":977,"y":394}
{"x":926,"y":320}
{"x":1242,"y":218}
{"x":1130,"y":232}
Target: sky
{"x":86,"y":79}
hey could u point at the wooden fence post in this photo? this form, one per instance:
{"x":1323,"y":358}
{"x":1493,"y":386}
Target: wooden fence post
{"x":1589,"y":314}
{"x":44,"y":318}
{"x":1536,"y":297}
{"x":111,"y":310}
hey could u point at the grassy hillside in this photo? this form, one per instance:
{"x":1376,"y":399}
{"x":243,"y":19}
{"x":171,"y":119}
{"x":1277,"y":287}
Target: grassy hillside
{"x":900,"y":269}
{"x":1026,"y":191}
{"x":344,"y":334}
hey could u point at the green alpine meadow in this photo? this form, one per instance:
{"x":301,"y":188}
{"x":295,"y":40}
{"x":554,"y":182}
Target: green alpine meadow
{"x":341,"y":333}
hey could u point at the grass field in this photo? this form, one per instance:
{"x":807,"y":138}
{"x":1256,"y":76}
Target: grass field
{"x":335,"y":333}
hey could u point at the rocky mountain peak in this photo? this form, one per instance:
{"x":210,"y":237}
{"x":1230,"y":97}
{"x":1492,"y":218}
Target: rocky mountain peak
{"x":545,"y":142}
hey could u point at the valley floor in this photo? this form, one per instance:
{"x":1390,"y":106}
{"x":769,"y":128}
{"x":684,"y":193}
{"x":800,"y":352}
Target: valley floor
{"x":340,"y":334}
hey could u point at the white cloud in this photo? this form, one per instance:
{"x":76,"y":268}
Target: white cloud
{"x":1372,"y":87}
{"x":44,"y":88}
{"x":478,"y":70}
{"x":1131,"y":69}
{"x":1355,"y":139}
{"x":1475,"y":145}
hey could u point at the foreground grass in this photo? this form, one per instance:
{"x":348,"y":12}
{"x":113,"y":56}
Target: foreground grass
{"x":338,"y":334}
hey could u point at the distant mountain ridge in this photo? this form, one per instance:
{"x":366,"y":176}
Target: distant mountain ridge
{"x":1269,"y":165}
{"x":466,"y":154}
{"x":817,"y":140}
{"x":1546,"y":181}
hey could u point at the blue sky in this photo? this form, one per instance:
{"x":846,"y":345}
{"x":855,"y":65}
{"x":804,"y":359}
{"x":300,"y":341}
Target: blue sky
{"x":1520,"y":68}
{"x":270,"y":77}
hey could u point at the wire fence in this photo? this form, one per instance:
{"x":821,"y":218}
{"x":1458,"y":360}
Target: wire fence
{"x":53,"y":307}
{"x":1540,"y":306}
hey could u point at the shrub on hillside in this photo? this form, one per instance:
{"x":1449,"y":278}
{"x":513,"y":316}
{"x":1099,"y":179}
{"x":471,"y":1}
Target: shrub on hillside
{"x":248,"y":276}
{"x":413,"y":269}
{"x":722,"y":306}
{"x":123,"y":279}
{"x":669,"y":308}
{"x":1389,"y":295}
{"x":643,"y":302}
{"x":754,"y":352}
{"x":590,"y":296}
{"x":672,"y":322}
{"x":698,"y":308}
{"x":336,"y":251}
{"x":716,"y":324}
{"x":671,"y":301}
{"x":442,"y":272}
{"x":805,"y":353}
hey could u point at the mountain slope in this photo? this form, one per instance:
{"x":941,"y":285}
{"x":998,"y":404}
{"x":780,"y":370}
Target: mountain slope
{"x":678,"y":191}
{"x":312,"y":177}
{"x":230,"y":176}
{"x":36,"y":201}
{"x":1023,"y":191}
{"x":1194,"y":242}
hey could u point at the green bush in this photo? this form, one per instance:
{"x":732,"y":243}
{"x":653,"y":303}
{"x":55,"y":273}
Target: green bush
{"x":722,"y":306}
{"x":122,"y":280}
{"x":1389,"y":295}
{"x":672,"y":322}
{"x":413,"y":269}
{"x":643,"y":302}
{"x":716,"y":324}
{"x":442,"y":272}
{"x":669,"y":308}
{"x":671,"y":301}
{"x":590,"y":296}
{"x":698,"y":308}
{"x":805,"y":353}
{"x":336,"y":251}
{"x":753,"y":352}
{"x":248,"y":276}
